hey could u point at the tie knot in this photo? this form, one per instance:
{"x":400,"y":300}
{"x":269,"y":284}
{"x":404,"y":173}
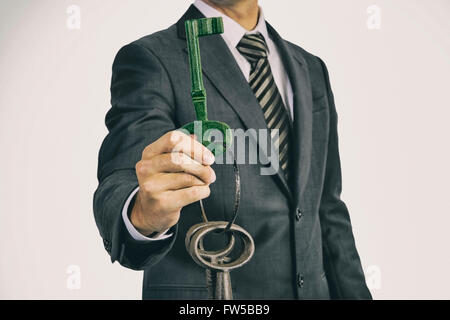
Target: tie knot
{"x":253,"y":47}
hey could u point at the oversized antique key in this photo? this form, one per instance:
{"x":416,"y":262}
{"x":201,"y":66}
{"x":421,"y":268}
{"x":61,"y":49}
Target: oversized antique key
{"x":218,"y":264}
{"x":195,"y":29}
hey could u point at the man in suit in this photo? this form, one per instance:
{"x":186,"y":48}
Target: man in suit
{"x":151,"y":176}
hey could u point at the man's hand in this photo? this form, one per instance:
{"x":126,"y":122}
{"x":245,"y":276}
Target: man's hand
{"x":174,"y":171}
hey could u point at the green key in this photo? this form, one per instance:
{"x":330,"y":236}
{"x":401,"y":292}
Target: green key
{"x":208,"y":129}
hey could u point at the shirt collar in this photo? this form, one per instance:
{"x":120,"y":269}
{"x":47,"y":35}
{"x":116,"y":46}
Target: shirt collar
{"x":233,"y":31}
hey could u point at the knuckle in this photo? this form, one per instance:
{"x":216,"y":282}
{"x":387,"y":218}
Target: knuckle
{"x":176,"y":158}
{"x":174,"y":138}
{"x":146,"y":151}
{"x":147,"y":187}
{"x":178,"y":141}
{"x":140,"y":167}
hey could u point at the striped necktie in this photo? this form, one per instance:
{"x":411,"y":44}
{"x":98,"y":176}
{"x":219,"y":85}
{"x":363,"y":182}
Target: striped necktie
{"x":254,"y":49}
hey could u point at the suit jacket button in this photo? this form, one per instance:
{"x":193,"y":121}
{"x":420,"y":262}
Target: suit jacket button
{"x":298,"y":215}
{"x":300,"y":280}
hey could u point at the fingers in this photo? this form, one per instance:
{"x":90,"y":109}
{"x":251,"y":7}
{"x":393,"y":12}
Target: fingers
{"x":174,"y":171}
{"x":171,"y":181}
{"x":176,"y":141}
{"x":174,"y":162}
{"x":183,"y":197}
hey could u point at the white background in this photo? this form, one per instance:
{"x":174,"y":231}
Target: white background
{"x":392,"y":93}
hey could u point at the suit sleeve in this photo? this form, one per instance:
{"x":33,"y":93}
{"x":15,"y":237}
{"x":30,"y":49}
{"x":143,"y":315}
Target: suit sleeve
{"x":142,"y":109}
{"x":342,"y":263}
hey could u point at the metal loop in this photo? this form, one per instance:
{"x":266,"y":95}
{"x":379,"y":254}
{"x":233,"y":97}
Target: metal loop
{"x":218,"y":260}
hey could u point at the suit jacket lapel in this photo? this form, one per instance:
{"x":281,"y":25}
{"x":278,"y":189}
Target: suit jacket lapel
{"x":301,"y":148}
{"x":220,"y":67}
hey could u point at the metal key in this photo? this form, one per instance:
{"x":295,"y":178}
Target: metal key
{"x":203,"y":128}
{"x":219,"y":285}
{"x":217,"y":263}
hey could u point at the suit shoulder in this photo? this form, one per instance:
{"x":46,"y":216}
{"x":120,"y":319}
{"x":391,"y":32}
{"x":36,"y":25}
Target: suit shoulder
{"x":314,"y":62}
{"x":317,"y":69}
{"x":160,"y":43}
{"x":166,"y":38}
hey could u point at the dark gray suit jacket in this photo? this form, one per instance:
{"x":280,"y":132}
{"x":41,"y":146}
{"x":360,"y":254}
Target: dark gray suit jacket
{"x":303,"y":236}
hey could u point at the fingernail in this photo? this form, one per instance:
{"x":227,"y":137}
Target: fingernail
{"x":213,"y":177}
